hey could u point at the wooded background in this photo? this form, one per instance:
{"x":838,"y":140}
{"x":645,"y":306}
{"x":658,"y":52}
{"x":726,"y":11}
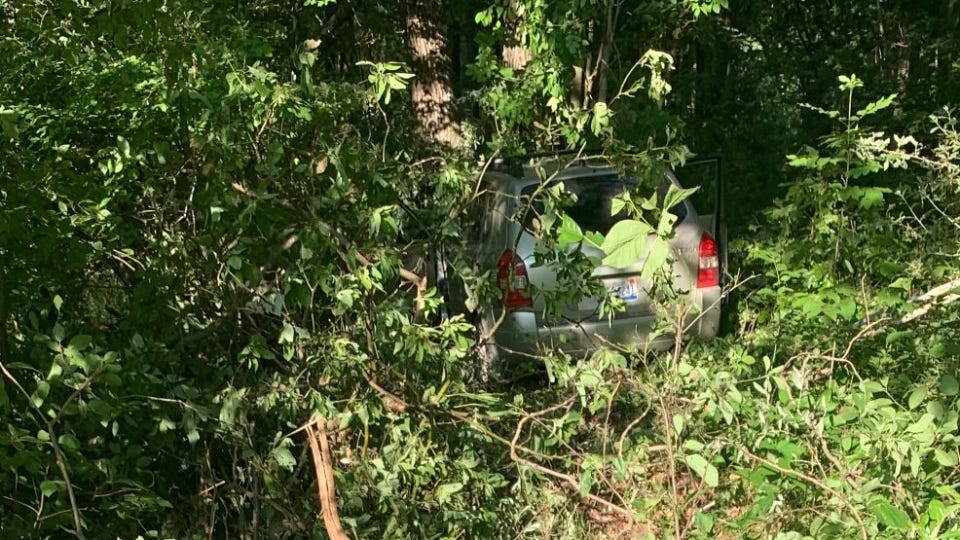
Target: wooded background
{"x":211,"y":306}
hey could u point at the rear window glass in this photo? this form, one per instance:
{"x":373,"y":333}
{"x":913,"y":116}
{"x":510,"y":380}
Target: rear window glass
{"x":594,"y":201}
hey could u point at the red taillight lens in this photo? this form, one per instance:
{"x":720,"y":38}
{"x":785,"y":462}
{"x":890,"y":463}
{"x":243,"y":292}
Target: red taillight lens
{"x":708,"y":273}
{"x":512,"y":279}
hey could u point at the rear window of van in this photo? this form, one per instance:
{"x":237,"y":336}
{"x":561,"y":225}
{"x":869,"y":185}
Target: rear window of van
{"x":594,"y":201}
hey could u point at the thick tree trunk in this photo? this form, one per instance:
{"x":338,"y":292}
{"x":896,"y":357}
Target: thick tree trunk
{"x":589,"y":70}
{"x":603,"y":58}
{"x":431,"y":89}
{"x":577,"y":94}
{"x":515,"y":55}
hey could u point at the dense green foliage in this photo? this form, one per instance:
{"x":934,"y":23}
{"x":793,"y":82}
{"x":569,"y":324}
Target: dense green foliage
{"x":214,"y":217}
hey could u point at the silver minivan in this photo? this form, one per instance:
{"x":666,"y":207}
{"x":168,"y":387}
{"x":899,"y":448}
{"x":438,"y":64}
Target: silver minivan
{"x":519,"y":322}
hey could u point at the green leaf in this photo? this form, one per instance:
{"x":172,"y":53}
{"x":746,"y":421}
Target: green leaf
{"x":947,"y":459}
{"x":587,"y":481}
{"x":704,"y":469}
{"x":675,"y":195}
{"x":916,"y":397}
{"x":849,"y":83}
{"x":872,"y":196}
{"x":618,"y":203}
{"x":704,"y":522}
{"x":625,"y":243}
{"x":847,"y":309}
{"x":593,"y":239}
{"x":876,"y":106}
{"x":590,"y":379}
{"x":56,"y":369}
{"x":665,"y":225}
{"x":231,"y":403}
{"x":691,"y":444}
{"x":891,"y":516}
{"x":193,"y":436}
{"x":282,"y":456}
{"x":445,"y":491}
{"x":166,"y":425}
{"x":936,"y":510}
{"x":601,"y":118}
{"x":124,"y":146}
{"x":49,"y":487}
{"x":345,"y":297}
{"x":898,"y":335}
{"x":949,"y":385}
{"x":80,"y":341}
{"x":41,"y":393}
{"x":569,"y":233}
{"x":678,"y":424}
{"x":656,"y":258}
{"x":924,"y":424}
{"x":69,"y":442}
{"x":287,"y":334}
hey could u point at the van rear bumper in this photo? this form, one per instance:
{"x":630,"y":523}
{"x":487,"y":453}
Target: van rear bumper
{"x":521,"y":334}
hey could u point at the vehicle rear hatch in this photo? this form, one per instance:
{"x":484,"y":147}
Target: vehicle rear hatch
{"x":592,"y":211}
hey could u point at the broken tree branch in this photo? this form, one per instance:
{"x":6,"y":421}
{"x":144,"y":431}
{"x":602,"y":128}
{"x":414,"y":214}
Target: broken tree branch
{"x":934,"y":297}
{"x":323,"y":469}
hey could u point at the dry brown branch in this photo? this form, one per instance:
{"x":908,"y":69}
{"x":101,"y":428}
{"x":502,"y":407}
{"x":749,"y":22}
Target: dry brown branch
{"x":825,"y":448}
{"x":922,"y":310}
{"x":410,"y":277}
{"x":934,"y":297}
{"x":212,"y":487}
{"x":323,"y":469}
{"x":515,"y":447}
{"x":568,"y":479}
{"x":396,"y":403}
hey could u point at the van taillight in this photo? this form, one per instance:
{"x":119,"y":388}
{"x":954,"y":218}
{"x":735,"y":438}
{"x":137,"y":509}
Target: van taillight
{"x":512,"y":279}
{"x":708,"y":273}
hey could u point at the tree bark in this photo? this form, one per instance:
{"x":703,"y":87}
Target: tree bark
{"x":603,"y":57}
{"x":323,"y":469}
{"x":431,"y":90}
{"x":515,"y":55}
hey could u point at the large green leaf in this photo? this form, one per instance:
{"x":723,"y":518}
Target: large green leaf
{"x":704,"y":469}
{"x":625,"y":243}
{"x":949,"y":385}
{"x":49,"y":487}
{"x":569,"y":232}
{"x":891,"y":516}
{"x":445,"y":491}
{"x":657,"y":255}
